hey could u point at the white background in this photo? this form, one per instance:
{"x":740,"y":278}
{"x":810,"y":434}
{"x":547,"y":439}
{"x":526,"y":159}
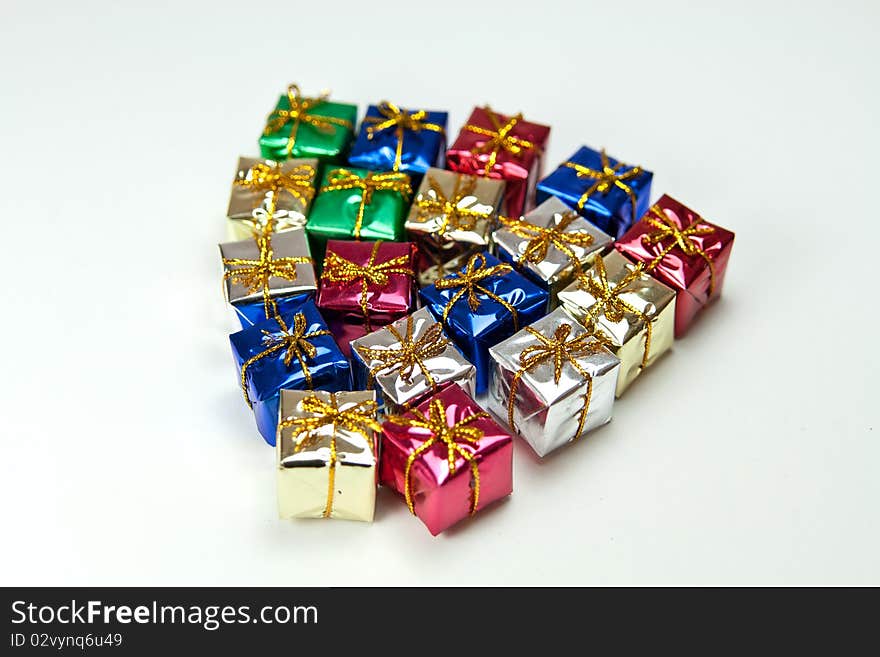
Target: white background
{"x":747,"y":456}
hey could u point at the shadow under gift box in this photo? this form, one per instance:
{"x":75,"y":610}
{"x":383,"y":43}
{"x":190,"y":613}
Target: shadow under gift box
{"x":595,"y":185}
{"x":266,"y":375}
{"x":442,"y":496}
{"x":474,"y":330}
{"x":548,"y":413}
{"x":697,"y":275}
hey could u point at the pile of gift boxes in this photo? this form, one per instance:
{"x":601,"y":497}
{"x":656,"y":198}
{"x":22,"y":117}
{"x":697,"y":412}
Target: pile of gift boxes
{"x":381,"y":295}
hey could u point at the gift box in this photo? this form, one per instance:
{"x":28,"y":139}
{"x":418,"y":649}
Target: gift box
{"x":358,"y":204}
{"x":553,"y":381}
{"x":683,"y":250}
{"x":281,"y":191}
{"x":451,"y":219}
{"x":308,"y":127}
{"x":395,"y":139}
{"x":294,"y":351}
{"x":327,"y":455}
{"x":448,"y":459}
{"x":634,"y":311}
{"x":408,"y":360}
{"x":502,"y":147}
{"x":608,"y":192}
{"x":263,"y":274}
{"x":550,"y":244}
{"x":482,"y":304}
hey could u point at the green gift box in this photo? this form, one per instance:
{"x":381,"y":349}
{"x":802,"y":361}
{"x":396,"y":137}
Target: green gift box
{"x":308,"y":127}
{"x":358,"y":204}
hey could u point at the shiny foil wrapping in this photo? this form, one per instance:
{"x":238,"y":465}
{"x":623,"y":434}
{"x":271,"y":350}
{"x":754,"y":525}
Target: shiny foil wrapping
{"x":445,"y":239}
{"x":328,"y":144}
{"x":290,"y":211}
{"x":688,"y":274}
{"x":472,"y":153}
{"x":329,"y":369}
{"x":557,"y":269}
{"x":306,"y":461}
{"x":249,"y":304}
{"x":627,"y":336}
{"x":610,"y":210}
{"x":420,"y":149}
{"x":400,"y":389}
{"x":442,"y":496}
{"x":474,"y":331}
{"x":547,"y":413}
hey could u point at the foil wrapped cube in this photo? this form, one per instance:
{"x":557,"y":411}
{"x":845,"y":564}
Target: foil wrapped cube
{"x":280,"y":192}
{"x":268,"y":273}
{"x":553,"y":381}
{"x":293,"y":351}
{"x":550,"y":244}
{"x":634,"y":312}
{"x":482,"y":304}
{"x":326,"y":453}
{"x":503,"y":147}
{"x":448,"y":459}
{"x":408,"y":360}
{"x":308,"y":127}
{"x":609,"y":193}
{"x":683,"y":250}
{"x":451,"y":219}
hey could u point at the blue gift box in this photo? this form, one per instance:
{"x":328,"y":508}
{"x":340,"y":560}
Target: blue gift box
{"x":376,"y":147}
{"x":287,"y":339}
{"x":609,"y":206}
{"x":474,"y":331}
{"x":254,"y":312}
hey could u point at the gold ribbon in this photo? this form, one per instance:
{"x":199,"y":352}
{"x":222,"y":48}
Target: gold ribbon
{"x":273,"y":179}
{"x":666,"y":228}
{"x":294,"y":341}
{"x":540,"y":238}
{"x":499,"y":138}
{"x":606,"y":179}
{"x":455,"y":217}
{"x":400,"y":120}
{"x":560,"y":349}
{"x":409,"y":355}
{"x":300,"y":112}
{"x":468,"y":282}
{"x":358,"y":418}
{"x":341,"y":179}
{"x":451,"y":436}
{"x":340,"y":270}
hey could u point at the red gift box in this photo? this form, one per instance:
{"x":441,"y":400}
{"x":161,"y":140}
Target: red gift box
{"x":683,"y":250}
{"x":447,"y":457}
{"x":502,"y":147}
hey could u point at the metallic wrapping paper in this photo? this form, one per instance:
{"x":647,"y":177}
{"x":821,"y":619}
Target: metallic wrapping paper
{"x":442,"y":497}
{"x":556,"y":270}
{"x":547,"y":414}
{"x":327,"y":145}
{"x":474,"y":331}
{"x":471,"y":153}
{"x":688,"y":274}
{"x":347,"y":327}
{"x":304,"y":471}
{"x":627,"y":336}
{"x":444,"y":243}
{"x":420,"y":150}
{"x":290,"y":211}
{"x":612,"y":210}
{"x":398,"y":392}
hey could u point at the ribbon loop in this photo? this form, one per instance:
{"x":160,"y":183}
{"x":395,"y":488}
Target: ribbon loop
{"x":469,"y":282}
{"x":606,"y":179}
{"x":400,"y":120}
{"x":455,"y":216}
{"x":499,"y":138}
{"x":344,"y":179}
{"x":683,"y":238}
{"x":541,"y":238}
{"x":409,"y":354}
{"x":300,"y":111}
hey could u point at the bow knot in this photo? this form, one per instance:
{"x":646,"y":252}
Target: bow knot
{"x":272,"y":179}
{"x":469,"y":282}
{"x":541,"y":238}
{"x":300,"y":111}
{"x":409,"y":353}
{"x":456,"y":214}
{"x":499,"y":138}
{"x":683,"y":238}
{"x":606,"y":179}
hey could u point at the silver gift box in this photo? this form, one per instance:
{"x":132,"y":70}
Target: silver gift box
{"x":547,"y":413}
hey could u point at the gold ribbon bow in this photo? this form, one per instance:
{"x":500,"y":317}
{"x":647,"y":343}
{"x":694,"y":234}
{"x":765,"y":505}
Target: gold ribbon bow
{"x":542,"y":237}
{"x":455,"y":217}
{"x":358,"y":418}
{"x":273,"y":179}
{"x":409,"y":355}
{"x":401,"y":120}
{"x":340,"y":270}
{"x":453,"y":437}
{"x":666,"y":228}
{"x":300,"y":112}
{"x":606,"y":179}
{"x":560,"y":349}
{"x":341,"y":179}
{"x":468,"y":282}
{"x":295,"y":342}
{"x":499,"y":138}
